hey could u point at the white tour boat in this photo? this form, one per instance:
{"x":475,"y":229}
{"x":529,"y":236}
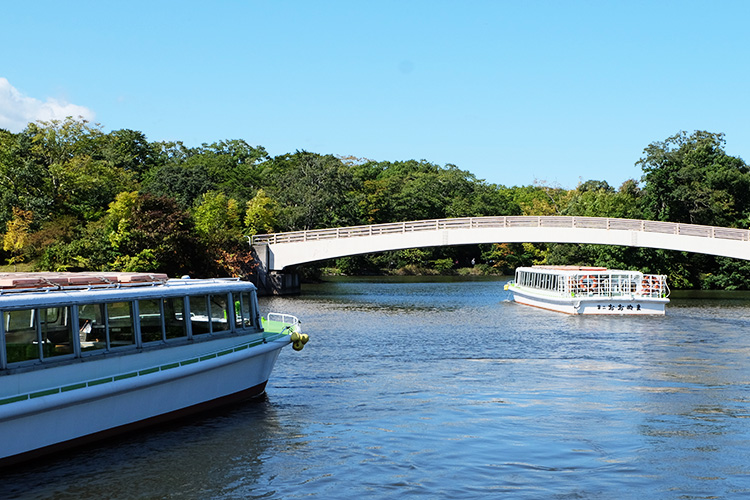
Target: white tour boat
{"x":590,"y":290}
{"x":87,"y":355}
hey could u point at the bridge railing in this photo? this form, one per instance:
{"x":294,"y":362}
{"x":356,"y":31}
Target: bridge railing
{"x":509,"y":221}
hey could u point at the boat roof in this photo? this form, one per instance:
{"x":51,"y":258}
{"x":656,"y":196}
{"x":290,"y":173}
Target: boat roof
{"x":576,"y":270}
{"x":46,"y":289}
{"x":65,"y":279}
{"x":571,"y":268}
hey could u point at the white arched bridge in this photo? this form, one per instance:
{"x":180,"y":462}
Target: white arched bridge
{"x":280,"y":250}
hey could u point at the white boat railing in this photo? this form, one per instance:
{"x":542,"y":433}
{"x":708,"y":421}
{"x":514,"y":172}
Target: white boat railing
{"x":292,"y":321}
{"x":615,"y":285}
{"x":508,"y":221}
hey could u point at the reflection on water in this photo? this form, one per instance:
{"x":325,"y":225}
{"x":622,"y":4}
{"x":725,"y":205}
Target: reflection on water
{"x":443,"y":389}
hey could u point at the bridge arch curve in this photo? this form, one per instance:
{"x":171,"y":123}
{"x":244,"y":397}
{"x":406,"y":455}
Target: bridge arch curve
{"x":280,"y":250}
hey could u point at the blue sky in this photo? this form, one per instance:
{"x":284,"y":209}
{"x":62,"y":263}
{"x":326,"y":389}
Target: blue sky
{"x":514,"y":92}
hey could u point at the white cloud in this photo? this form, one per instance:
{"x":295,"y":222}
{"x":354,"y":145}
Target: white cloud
{"x":17,"y":110}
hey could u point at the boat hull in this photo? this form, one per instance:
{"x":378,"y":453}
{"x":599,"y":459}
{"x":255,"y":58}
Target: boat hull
{"x":49,"y":423}
{"x":592,"y":305}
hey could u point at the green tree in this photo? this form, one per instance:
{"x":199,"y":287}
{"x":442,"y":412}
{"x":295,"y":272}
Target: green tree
{"x":592,"y":199}
{"x":412,"y":190}
{"x":540,"y":199}
{"x":152,"y":233}
{"x":690,"y":178}
{"x":87,"y":186}
{"x":312,"y":191}
{"x":217,"y":219}
{"x":69,"y":172}
{"x":185,"y":183}
{"x":75,"y":246}
{"x":128,"y":150}
{"x":234,"y":166}
{"x":506,"y":257}
{"x":23,"y":181}
{"x":231,"y":167}
{"x":260,"y":214}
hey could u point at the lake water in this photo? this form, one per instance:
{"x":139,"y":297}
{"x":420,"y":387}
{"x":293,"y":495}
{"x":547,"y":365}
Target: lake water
{"x":444,"y":389}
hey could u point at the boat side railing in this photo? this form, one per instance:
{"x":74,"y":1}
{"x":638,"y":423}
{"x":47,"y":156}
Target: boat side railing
{"x":615,"y":285}
{"x":508,"y":221}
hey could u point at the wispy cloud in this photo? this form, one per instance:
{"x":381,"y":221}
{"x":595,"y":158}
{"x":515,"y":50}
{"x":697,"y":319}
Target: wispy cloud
{"x":17,"y":110}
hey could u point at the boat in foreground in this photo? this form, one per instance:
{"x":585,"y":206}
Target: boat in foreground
{"x":84,"y":356}
{"x":590,"y":290}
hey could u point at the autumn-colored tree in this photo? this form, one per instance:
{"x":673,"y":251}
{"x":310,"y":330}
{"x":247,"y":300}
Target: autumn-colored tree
{"x":16,"y":235}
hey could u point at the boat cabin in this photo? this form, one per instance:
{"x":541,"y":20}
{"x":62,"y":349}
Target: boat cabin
{"x":48,"y":318}
{"x":591,"y":281}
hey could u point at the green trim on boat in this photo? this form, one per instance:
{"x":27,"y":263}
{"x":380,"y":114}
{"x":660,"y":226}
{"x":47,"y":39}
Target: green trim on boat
{"x":146,"y":371}
{"x":44,"y":393}
{"x":100,"y":381}
{"x":73,"y":387}
{"x":14,"y":399}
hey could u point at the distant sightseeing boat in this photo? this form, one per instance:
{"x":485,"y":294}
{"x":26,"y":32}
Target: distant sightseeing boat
{"x":589,"y":290}
{"x":84,"y":356}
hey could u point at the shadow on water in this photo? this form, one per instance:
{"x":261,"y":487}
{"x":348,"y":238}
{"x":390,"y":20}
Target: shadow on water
{"x":190,"y":457}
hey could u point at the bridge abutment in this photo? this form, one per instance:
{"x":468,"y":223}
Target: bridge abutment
{"x":280,"y":283}
{"x":271,"y":282}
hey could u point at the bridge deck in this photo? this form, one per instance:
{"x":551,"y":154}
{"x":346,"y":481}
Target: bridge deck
{"x":298,"y":247}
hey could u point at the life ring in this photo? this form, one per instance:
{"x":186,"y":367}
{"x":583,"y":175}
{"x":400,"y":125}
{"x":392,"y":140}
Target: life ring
{"x":588,"y":283}
{"x":583,"y":284}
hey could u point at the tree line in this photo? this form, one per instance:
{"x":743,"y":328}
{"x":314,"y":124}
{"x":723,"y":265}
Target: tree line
{"x":74,"y":197}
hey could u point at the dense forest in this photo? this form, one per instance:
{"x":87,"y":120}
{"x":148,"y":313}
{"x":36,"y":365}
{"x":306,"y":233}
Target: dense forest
{"x":76,"y":198}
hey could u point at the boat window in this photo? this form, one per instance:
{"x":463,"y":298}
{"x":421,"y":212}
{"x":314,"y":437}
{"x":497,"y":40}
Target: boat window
{"x":21,"y":340}
{"x":91,"y":327}
{"x":220,"y":313}
{"x":174,"y":317}
{"x":57,"y":331}
{"x":247,"y":310}
{"x":149,"y":314}
{"x":199,"y":314}
{"x":120,"y":322}
{"x":37,"y":333}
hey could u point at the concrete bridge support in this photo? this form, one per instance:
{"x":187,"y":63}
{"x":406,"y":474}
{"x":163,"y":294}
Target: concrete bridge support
{"x":272,"y":282}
